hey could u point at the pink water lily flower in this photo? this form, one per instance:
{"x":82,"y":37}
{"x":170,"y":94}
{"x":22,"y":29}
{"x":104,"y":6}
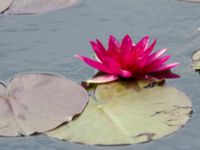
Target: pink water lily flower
{"x":129,"y":60}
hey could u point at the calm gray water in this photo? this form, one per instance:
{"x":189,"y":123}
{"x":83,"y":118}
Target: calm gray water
{"x":48,"y":42}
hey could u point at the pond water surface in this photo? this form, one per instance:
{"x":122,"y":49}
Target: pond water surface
{"x":47,"y":42}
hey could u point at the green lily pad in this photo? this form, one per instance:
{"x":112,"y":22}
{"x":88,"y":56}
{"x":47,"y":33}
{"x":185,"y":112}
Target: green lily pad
{"x":38,"y":102}
{"x":196,"y":60}
{"x":125,"y":112}
{"x":196,"y":65}
{"x":5,"y":4}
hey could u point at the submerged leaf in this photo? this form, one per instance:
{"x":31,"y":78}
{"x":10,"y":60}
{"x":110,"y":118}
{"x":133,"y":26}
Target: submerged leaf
{"x":37,"y":6}
{"x":35,"y":103}
{"x":126,"y":113}
{"x":5,"y":4}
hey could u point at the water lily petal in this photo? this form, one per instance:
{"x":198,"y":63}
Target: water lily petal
{"x":100,"y":46}
{"x":125,"y":74}
{"x":93,"y":63}
{"x":166,"y":74}
{"x":99,"y":53}
{"x":129,"y":60}
{"x":138,"y":53}
{"x":113,"y":43}
{"x":150,"y":48}
{"x":126,"y":50}
{"x":142,"y":45}
{"x":114,"y":48}
{"x":159,"y":53}
{"x":156,"y":63}
{"x":103,"y":79}
{"x":126,"y":43}
{"x":146,"y":54}
{"x":162,"y":60}
{"x":165,"y":67}
{"x":115,"y":67}
{"x":155,"y":55}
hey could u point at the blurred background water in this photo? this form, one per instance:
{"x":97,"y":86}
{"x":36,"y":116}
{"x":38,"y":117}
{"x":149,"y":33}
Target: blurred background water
{"x":48,"y":42}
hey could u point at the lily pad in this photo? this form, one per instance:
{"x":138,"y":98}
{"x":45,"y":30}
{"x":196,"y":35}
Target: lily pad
{"x":125,"y":112}
{"x":191,"y":1}
{"x":35,"y":103}
{"x":196,"y":60}
{"x":38,"y":6}
{"x":5,"y":4}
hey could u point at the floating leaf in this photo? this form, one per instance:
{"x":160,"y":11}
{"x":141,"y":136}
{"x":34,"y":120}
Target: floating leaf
{"x":196,"y":55}
{"x":126,"y":113}
{"x":38,"y":6}
{"x":8,"y":125}
{"x":196,"y":60}
{"x":191,"y":1}
{"x":5,"y":4}
{"x":35,"y":103}
{"x":196,"y":65}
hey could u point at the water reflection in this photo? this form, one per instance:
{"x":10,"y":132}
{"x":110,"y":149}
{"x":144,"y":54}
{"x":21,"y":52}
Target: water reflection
{"x":49,"y":41}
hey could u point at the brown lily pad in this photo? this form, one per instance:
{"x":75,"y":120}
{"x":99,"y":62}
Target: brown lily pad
{"x":5,"y":4}
{"x":38,"y":6}
{"x":35,"y":103}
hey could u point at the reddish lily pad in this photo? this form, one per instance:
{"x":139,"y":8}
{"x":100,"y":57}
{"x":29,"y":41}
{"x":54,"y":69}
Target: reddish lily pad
{"x":35,"y":103}
{"x":125,"y":112}
{"x":38,"y":6}
{"x":8,"y":125}
{"x":5,"y":4}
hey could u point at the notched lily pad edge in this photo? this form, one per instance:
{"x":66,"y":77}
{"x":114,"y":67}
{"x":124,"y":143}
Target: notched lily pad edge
{"x":52,"y":74}
{"x":148,"y":135}
{"x":151,"y":135}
